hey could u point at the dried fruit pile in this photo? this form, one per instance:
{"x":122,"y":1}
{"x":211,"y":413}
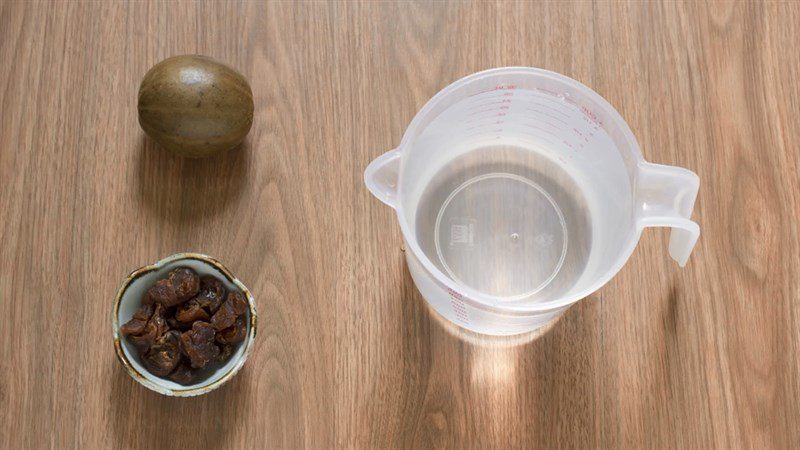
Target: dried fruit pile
{"x":186,"y":325}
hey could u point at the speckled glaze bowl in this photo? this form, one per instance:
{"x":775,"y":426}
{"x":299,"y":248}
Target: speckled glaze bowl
{"x":128,"y":300}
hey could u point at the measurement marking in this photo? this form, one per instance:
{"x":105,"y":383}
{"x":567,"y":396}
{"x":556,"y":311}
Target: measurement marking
{"x":592,"y":116}
{"x":479,"y":111}
{"x":539,"y":138}
{"x":498,"y":108}
{"x":541,"y":129}
{"x":550,"y":115}
{"x":551,"y":99}
{"x":547,"y":91}
{"x":458,"y":306}
{"x":571,"y":101}
{"x":499,"y":87}
{"x":460,"y":310}
{"x":555,"y":110}
{"x":497,"y":102}
{"x":586,"y":134}
{"x":483,"y":92}
{"x":473,"y":120}
{"x":474,"y":102}
{"x":560,"y":100}
{"x":475,"y":127}
{"x":558,"y":128}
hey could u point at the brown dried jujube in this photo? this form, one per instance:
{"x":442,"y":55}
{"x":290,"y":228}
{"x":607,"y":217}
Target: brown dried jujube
{"x":233,"y":334}
{"x":180,"y":285}
{"x":187,"y":324}
{"x":186,"y":283}
{"x":180,"y":326}
{"x":233,"y":307}
{"x":133,"y":327}
{"x":164,"y":355}
{"x":161,"y":292}
{"x":225,"y":352}
{"x":190,"y":312}
{"x":145,"y":312}
{"x":136,"y":325}
{"x":212,"y":293}
{"x":159,"y":320}
{"x":143,"y":337}
{"x":183,"y":374}
{"x":198,"y":344}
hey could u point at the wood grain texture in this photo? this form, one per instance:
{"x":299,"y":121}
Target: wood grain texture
{"x":348,"y":354}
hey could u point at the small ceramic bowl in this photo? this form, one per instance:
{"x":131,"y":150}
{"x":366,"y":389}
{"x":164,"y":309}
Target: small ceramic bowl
{"x":129,"y":299}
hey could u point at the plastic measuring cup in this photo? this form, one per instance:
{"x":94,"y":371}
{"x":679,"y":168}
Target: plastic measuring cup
{"x":520,"y":191}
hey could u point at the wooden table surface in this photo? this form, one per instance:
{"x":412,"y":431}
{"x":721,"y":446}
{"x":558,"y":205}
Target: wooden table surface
{"x":348,"y":354}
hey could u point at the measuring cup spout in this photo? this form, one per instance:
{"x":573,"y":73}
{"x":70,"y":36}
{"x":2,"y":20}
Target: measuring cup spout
{"x":381,"y":177}
{"x":666,"y":196}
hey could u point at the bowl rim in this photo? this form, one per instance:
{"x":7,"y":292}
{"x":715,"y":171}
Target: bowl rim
{"x":158,"y":265}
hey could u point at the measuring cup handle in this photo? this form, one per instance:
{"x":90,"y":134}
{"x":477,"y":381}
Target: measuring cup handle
{"x":665,"y":196}
{"x":381,"y":177}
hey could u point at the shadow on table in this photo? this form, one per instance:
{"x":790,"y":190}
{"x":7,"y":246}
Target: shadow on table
{"x":144,"y":419}
{"x":181,"y":189}
{"x":536,"y":389}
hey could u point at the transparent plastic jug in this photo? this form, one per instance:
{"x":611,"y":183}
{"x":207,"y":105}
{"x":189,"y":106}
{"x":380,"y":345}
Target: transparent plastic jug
{"x":520,"y":191}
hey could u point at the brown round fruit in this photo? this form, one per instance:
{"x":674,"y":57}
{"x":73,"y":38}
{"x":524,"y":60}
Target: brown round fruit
{"x":195,"y":106}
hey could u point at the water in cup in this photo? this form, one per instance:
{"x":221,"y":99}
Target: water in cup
{"x":506,"y":221}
